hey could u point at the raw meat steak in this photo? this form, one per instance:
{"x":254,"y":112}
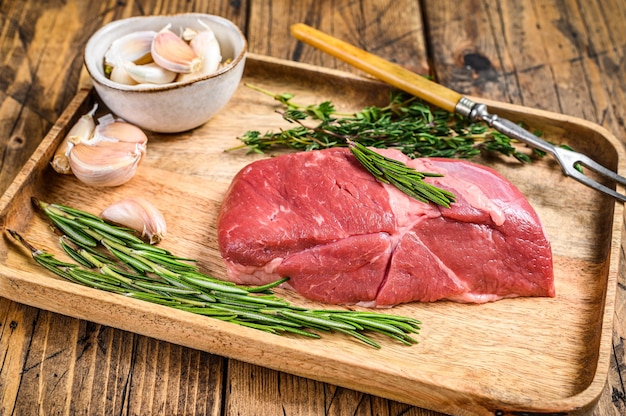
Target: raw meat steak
{"x":344,"y":238}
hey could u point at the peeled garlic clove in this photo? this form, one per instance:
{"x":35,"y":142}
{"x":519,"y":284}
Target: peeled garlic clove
{"x":173,"y":53}
{"x":149,"y":73}
{"x":140,"y":215}
{"x":206,"y":46}
{"x":120,"y":75}
{"x":82,"y":130}
{"x":134,"y":47}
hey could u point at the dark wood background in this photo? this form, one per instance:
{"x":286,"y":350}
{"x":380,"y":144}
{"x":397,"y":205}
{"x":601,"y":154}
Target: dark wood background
{"x":560,"y":55}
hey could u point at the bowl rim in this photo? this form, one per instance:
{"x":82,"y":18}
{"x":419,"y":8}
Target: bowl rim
{"x":99,"y":78}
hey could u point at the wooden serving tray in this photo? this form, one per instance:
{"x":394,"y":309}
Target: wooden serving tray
{"x":516,"y":355}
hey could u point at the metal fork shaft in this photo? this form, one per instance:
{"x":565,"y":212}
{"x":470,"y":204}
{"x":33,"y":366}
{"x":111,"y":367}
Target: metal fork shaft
{"x":586,"y":180}
{"x":478,"y":112}
{"x":568,"y":160}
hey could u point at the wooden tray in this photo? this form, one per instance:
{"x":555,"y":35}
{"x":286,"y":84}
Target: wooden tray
{"x":518,"y":355}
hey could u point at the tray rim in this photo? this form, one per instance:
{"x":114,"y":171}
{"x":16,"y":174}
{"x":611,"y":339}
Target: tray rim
{"x":585,"y":399}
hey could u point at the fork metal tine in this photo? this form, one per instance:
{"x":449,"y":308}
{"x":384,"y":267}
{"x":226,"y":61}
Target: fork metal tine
{"x":584,"y":179}
{"x":593,"y":165}
{"x":567,"y":159}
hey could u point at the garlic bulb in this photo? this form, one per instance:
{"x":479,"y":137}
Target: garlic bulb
{"x":82,"y":130}
{"x":173,"y":53}
{"x":110,"y":156}
{"x":140,"y":215}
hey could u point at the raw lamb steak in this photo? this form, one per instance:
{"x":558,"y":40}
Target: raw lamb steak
{"x":344,"y":238}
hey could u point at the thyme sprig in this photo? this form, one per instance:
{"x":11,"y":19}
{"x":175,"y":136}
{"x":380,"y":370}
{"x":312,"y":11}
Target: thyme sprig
{"x":406,"y":123}
{"x":111,"y":258}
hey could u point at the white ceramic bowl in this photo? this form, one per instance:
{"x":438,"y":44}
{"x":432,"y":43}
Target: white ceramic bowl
{"x":174,"y":107}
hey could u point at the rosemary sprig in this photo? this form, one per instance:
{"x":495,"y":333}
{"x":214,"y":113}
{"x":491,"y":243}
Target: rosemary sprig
{"x":110,"y":258}
{"x":394,"y":172}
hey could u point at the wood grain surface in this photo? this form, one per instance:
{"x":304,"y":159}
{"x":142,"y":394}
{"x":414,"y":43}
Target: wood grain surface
{"x":564,"y":56}
{"x":186,"y":175}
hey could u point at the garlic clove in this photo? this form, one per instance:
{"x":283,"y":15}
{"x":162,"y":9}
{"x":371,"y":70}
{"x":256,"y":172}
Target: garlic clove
{"x":119,"y":131}
{"x":205,"y":45}
{"x":120,"y":75}
{"x":134,"y":47}
{"x":140,"y":215}
{"x":123,"y":147}
{"x":149,"y":73}
{"x":173,"y":53}
{"x":105,"y":166}
{"x":82,"y":130}
{"x":110,"y":156}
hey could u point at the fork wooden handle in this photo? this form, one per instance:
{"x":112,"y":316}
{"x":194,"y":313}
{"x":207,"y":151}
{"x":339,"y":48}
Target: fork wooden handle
{"x":380,"y":68}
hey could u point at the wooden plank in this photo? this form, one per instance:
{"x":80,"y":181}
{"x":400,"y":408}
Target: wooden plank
{"x":16,"y":327}
{"x":392,"y":29}
{"x":301,"y":396}
{"x":40,"y":67}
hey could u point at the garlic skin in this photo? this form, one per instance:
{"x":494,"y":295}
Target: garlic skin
{"x":110,"y":156}
{"x":82,"y":130}
{"x":140,"y":215}
{"x":174,"y":54}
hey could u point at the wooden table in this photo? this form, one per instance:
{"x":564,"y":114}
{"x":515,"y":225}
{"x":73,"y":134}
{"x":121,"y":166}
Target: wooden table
{"x":563,"y":56}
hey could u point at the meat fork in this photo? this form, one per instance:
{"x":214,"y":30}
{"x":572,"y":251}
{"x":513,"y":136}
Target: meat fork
{"x":454,"y":102}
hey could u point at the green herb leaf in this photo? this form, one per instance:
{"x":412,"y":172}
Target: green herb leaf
{"x":121,"y":265}
{"x":403,"y":177}
{"x":406,"y":124}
